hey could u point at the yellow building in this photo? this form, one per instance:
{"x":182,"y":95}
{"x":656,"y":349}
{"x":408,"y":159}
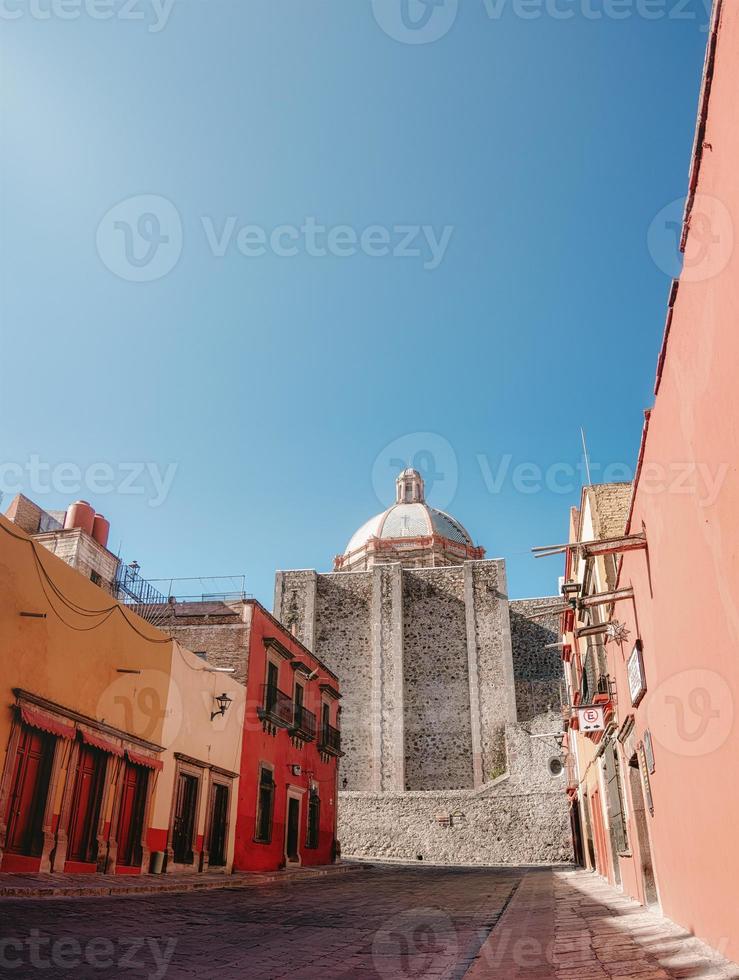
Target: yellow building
{"x":115,"y":754}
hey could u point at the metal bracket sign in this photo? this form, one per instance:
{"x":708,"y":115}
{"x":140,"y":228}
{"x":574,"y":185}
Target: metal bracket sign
{"x":592,"y":719}
{"x":635,"y":670}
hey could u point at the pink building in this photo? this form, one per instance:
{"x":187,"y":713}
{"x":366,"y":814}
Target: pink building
{"x":675,"y":678}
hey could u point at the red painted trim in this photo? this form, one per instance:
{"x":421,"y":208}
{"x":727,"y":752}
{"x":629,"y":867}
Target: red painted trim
{"x":156,"y":839}
{"x":121,"y":870}
{"x":79,"y":868}
{"x":19,"y":863}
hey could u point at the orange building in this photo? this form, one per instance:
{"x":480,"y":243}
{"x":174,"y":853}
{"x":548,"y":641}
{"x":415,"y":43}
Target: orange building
{"x":115,"y":755}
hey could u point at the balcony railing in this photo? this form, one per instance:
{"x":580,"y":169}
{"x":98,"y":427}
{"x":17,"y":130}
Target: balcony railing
{"x":276,"y":706}
{"x":330,"y":740}
{"x":304,"y":723}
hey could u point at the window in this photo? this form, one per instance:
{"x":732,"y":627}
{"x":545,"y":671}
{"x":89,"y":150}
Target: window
{"x":265,"y":806}
{"x":183,"y":829}
{"x":96,"y":578}
{"x":134,"y":785}
{"x":616,"y":819}
{"x":86,"y":802}
{"x":218,"y":831}
{"x":29,"y":790}
{"x":314,"y":815}
{"x":271,"y":692}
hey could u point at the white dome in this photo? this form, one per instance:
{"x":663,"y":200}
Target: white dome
{"x":409,"y":517}
{"x":409,"y":521}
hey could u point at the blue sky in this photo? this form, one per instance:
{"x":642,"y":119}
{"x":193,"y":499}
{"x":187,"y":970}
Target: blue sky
{"x":273,"y":392}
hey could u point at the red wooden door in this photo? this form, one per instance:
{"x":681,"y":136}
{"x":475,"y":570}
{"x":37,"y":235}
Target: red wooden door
{"x":131,"y":815}
{"x":29,"y":789}
{"x":88,"y":794}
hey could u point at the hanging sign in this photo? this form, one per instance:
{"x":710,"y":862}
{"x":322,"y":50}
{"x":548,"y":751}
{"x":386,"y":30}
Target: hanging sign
{"x":635,"y":670}
{"x":592,"y":719}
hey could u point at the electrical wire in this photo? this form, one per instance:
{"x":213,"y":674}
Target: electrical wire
{"x":77,"y":609}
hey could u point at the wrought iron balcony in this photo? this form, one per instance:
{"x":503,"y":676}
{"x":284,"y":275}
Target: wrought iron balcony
{"x":304,"y":723}
{"x":277,"y":706}
{"x":330,"y":740}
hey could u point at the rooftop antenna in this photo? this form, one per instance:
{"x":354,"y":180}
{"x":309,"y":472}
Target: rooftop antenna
{"x":585,"y":453}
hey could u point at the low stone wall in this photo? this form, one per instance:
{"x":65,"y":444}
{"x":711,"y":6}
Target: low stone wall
{"x":489,"y":829}
{"x":520,"y":818}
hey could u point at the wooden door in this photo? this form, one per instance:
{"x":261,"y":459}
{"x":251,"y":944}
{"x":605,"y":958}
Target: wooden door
{"x":29,"y":790}
{"x":184,"y":818}
{"x":86,"y":801}
{"x":599,"y":834}
{"x":293,"y":821}
{"x":218,"y":824}
{"x":131,"y":816}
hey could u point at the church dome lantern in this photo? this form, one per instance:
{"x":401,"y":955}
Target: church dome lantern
{"x":410,"y":532}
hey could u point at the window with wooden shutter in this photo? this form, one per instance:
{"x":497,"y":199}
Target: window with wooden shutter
{"x":265,"y":806}
{"x":616,"y":817}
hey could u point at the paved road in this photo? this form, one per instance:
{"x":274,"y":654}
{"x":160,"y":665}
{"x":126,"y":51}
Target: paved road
{"x":384,"y":922}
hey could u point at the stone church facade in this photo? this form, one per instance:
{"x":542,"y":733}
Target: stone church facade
{"x":446,"y":684}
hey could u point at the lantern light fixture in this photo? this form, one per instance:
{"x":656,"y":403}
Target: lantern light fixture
{"x":223,"y":701}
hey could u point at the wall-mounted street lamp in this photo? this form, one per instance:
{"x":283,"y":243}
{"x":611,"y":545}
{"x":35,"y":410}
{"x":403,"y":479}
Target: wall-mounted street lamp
{"x":223,"y":701}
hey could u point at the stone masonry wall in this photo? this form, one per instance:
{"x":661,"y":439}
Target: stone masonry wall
{"x":522,"y":818}
{"x":225,"y":644}
{"x":343,"y":641}
{"x":537,"y":671}
{"x":438,"y":744}
{"x":492,"y":639}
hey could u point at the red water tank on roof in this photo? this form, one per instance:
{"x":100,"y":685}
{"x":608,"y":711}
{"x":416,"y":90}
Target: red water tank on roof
{"x":81,"y":515}
{"x":101,"y":530}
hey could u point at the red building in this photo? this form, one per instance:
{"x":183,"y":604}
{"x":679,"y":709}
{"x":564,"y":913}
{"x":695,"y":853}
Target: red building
{"x":286,"y":810}
{"x":289,"y":760}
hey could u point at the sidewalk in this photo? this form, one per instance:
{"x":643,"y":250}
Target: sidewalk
{"x":572,"y":925}
{"x":87,"y":886}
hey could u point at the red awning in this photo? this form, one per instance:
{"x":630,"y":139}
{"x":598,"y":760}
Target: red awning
{"x":98,"y":742}
{"x":144,"y":760}
{"x":45,"y":723}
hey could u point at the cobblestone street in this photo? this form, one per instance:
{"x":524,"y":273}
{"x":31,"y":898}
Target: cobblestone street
{"x":384,"y":921}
